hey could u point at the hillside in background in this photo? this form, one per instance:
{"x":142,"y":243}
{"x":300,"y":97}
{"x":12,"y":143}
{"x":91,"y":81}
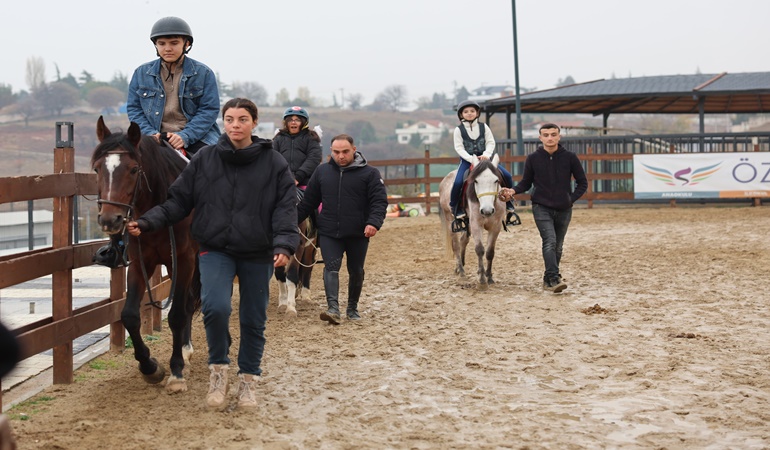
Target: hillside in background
{"x":29,"y":150}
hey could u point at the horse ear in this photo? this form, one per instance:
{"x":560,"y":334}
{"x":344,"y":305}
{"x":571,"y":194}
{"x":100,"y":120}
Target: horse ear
{"x":134,"y":134}
{"x":102,"y":132}
{"x":496,"y":160}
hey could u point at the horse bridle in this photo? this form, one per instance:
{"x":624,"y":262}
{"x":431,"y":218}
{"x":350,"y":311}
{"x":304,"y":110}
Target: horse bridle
{"x":129,"y":216}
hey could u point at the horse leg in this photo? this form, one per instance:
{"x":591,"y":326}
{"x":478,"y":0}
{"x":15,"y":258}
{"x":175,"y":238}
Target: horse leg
{"x":491,"y":242}
{"x":177,"y":322}
{"x":305,"y":271}
{"x":292,"y":281}
{"x":458,"y":249}
{"x":151,"y":370}
{"x":280,"y":275}
{"x":480,"y":254}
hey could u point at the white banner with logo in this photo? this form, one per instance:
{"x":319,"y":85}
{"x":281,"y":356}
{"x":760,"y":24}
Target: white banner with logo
{"x":702,"y":175}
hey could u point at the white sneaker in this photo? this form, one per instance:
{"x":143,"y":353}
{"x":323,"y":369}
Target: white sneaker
{"x":217,"y":386}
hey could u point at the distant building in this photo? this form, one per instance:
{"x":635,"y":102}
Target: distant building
{"x":430,"y":131}
{"x":14,"y":229}
{"x":485,"y":93}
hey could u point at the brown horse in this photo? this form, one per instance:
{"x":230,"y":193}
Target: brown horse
{"x":133,"y":174}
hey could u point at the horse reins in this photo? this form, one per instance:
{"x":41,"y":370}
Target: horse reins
{"x":129,"y":216}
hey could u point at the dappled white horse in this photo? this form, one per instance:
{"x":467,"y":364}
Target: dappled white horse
{"x":485,"y":212}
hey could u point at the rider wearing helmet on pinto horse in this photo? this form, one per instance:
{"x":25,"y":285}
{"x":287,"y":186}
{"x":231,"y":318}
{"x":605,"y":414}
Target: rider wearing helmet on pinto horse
{"x":175,"y":97}
{"x":300,"y":145}
{"x":471,"y":138}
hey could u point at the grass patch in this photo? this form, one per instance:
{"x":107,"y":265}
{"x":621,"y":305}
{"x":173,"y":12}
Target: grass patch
{"x":25,"y":409}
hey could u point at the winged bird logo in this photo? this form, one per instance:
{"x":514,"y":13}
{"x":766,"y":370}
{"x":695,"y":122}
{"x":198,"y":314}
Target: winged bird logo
{"x":683,"y":177}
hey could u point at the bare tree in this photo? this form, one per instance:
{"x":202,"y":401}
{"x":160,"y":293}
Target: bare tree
{"x":35,"y":75}
{"x":251,"y":90}
{"x":354,"y":101}
{"x":282,"y":97}
{"x":393,"y":97}
{"x":26,"y":107}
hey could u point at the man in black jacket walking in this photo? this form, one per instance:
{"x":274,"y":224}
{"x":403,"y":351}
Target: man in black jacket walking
{"x":354,"y":205}
{"x":551,"y":169}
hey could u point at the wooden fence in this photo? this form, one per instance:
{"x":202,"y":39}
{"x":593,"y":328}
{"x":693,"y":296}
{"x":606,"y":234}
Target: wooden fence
{"x":591,"y":161}
{"x":66,"y":324}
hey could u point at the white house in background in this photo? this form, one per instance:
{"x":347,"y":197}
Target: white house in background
{"x":489,"y":92}
{"x":430,"y":131}
{"x":14,"y":229}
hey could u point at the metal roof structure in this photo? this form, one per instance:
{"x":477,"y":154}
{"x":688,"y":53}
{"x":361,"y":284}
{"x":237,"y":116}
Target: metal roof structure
{"x":724,"y":93}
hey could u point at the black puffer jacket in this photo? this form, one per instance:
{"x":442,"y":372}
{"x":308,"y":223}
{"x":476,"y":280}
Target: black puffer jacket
{"x":301,"y":150}
{"x":243,"y":200}
{"x":353,"y":197}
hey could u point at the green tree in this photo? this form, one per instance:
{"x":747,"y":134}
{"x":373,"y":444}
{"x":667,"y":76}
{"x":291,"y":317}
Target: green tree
{"x":6,"y":95}
{"x":105,"y":97}
{"x":120,"y":82}
{"x":461,"y":95}
{"x":57,"y":96}
{"x":282,"y":97}
{"x":362,"y":131}
{"x":566,"y":81}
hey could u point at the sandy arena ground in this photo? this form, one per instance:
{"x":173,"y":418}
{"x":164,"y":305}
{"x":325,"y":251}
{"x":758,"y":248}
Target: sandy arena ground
{"x":660,"y":341}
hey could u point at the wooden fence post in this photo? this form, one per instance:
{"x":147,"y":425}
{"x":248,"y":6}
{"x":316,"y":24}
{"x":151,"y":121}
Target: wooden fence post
{"x":63,"y":162}
{"x":426,"y":172}
{"x":589,"y":172}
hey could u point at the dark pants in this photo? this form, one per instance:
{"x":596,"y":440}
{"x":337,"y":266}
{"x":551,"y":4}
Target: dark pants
{"x":457,"y":187}
{"x":353,"y":247}
{"x":218,"y":270}
{"x":552,"y":225}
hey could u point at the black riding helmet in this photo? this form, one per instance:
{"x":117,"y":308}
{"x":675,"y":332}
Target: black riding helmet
{"x":466,"y":104}
{"x":171,"y":26}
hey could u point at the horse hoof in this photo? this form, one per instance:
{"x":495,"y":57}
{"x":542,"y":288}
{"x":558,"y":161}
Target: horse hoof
{"x":175,"y":385}
{"x":187,"y":352}
{"x":157,"y":376}
{"x":282,"y":309}
{"x":291,"y":313}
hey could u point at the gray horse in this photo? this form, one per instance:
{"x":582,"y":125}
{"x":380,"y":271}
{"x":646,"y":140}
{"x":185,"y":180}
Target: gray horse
{"x":485,"y":212}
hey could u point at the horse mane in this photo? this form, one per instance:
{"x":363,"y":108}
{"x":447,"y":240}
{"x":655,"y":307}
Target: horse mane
{"x":478,"y":169}
{"x":160,"y":163}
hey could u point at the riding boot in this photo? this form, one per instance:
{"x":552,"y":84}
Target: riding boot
{"x":355,"y":284}
{"x":332,"y":288}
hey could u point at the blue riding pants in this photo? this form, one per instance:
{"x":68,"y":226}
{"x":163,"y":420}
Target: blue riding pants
{"x":218,"y":270}
{"x":552,"y":225}
{"x":457,"y":187}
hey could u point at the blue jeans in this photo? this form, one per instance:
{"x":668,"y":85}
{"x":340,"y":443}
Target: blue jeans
{"x":218,"y":271}
{"x":457,"y":187}
{"x":552,"y":225}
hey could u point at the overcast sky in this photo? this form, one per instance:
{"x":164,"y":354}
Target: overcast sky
{"x":363,"y":46}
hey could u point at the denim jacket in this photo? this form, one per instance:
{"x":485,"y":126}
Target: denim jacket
{"x":199,"y":98}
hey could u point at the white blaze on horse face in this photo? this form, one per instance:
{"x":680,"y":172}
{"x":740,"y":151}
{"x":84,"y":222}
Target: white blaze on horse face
{"x":487,"y":187}
{"x":111,"y":163}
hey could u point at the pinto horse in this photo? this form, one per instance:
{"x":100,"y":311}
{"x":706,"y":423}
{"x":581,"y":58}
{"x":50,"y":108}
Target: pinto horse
{"x":133,"y":174}
{"x":294,"y":279}
{"x":485,"y":212}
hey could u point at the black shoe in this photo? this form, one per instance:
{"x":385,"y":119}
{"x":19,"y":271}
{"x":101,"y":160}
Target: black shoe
{"x":555,"y":285}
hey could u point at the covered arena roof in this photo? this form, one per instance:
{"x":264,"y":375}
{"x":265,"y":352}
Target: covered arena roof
{"x":722,"y":93}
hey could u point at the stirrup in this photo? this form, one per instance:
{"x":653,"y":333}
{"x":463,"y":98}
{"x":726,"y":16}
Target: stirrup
{"x":459,"y":225}
{"x":512,"y":219}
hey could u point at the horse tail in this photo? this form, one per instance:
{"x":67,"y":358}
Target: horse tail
{"x":195,"y":286}
{"x":446,"y":232}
